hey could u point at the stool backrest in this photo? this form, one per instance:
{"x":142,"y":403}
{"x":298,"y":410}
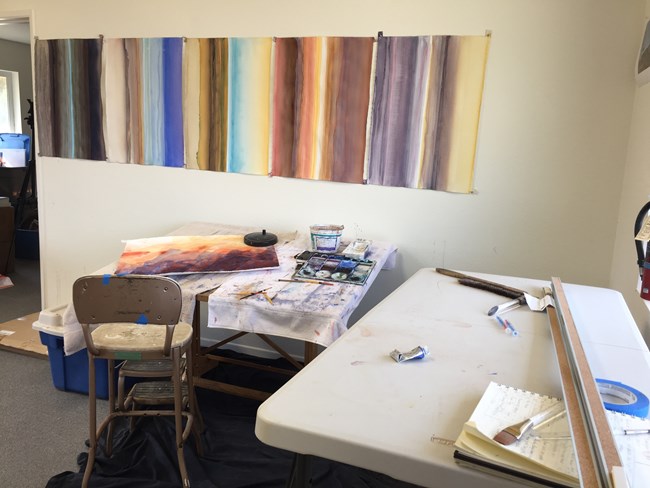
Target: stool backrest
{"x":140,"y":299}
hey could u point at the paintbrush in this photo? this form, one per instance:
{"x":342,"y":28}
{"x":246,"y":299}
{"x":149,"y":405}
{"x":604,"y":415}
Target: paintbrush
{"x":513,"y":433}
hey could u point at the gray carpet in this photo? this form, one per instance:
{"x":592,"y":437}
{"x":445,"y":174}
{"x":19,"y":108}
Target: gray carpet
{"x":42,"y":430}
{"x":25,"y":296}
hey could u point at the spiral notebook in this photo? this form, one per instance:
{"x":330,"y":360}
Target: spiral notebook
{"x":544,"y":456}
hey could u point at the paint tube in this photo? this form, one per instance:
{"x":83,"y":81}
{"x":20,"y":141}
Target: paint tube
{"x":418,"y":352}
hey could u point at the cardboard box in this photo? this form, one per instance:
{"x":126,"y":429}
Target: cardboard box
{"x":18,"y":336}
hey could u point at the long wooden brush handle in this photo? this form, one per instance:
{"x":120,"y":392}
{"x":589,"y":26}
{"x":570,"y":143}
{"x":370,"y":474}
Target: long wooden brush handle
{"x":455,"y":274}
{"x":494,"y":289}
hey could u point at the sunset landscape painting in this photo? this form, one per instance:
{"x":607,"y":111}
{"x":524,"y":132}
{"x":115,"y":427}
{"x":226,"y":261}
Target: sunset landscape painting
{"x":193,"y":254}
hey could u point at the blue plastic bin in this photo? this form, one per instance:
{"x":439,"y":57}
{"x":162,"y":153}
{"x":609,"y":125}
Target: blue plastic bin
{"x":27,"y":244}
{"x":70,"y":373}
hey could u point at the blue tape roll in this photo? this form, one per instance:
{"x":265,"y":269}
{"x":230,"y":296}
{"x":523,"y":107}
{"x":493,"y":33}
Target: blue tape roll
{"x":636,"y":403}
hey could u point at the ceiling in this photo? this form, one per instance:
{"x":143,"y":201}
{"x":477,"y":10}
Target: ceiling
{"x":16,"y":30}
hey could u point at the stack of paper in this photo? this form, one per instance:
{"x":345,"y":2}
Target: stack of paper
{"x":544,"y":456}
{"x":540,"y":461}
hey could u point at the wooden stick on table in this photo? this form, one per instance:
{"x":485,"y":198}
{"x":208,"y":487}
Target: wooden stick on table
{"x":483,"y":284}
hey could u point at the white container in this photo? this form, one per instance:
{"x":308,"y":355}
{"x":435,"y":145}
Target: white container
{"x":357,"y":249}
{"x":12,"y":158}
{"x":325,"y":238}
{"x":50,"y":321}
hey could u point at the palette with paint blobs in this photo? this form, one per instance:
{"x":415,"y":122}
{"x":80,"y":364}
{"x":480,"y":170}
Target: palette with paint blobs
{"x":333,"y":267}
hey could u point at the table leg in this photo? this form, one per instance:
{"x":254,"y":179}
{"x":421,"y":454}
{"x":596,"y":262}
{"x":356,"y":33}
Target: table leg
{"x":300,"y":476}
{"x":311,"y":350}
{"x":196,"y":337}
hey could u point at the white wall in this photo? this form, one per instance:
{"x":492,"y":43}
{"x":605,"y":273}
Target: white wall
{"x":635,"y":193}
{"x":550,"y":158}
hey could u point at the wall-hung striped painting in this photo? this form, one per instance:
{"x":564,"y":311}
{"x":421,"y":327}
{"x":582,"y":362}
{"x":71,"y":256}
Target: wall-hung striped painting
{"x":68,"y":101}
{"x":321,"y":90}
{"x":403,"y":111}
{"x":143,"y":94}
{"x":426,"y":107}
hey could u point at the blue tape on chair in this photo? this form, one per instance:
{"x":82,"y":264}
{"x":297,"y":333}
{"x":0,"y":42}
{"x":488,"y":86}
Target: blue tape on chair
{"x":105,"y":279}
{"x":635,"y":402}
{"x":142,"y":320}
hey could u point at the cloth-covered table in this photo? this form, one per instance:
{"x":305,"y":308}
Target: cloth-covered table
{"x":305,"y":311}
{"x":308,"y":312}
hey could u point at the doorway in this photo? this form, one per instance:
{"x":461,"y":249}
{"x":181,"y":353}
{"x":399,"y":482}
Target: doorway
{"x":19,"y":257}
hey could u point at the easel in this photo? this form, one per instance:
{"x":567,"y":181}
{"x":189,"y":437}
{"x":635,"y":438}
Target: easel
{"x":29,"y":179}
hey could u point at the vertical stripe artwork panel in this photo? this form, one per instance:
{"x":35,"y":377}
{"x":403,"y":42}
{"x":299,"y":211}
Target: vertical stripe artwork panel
{"x":172,"y":58}
{"x":206,"y":70}
{"x":425,"y":111}
{"x":153,"y":114}
{"x":190,"y":102}
{"x":135,"y":127}
{"x":347,"y":104}
{"x":321,"y":89}
{"x":143,"y":87}
{"x":68,"y":87}
{"x":249,"y":105}
{"x":115,"y":90}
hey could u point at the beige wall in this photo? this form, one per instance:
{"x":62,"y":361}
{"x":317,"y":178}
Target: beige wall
{"x":550,"y":158}
{"x":635,"y":193}
{"x":15,"y":56}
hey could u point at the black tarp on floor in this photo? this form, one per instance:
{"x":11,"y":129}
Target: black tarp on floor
{"x":232,"y":456}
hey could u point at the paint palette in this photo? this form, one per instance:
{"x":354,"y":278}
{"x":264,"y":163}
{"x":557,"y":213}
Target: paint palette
{"x":335,"y":268}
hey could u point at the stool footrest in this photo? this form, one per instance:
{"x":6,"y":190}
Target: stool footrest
{"x":155,"y":393}
{"x":160,"y":367}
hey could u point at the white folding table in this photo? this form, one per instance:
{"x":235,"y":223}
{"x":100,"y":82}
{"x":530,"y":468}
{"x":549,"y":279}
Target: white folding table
{"x":356,"y":405}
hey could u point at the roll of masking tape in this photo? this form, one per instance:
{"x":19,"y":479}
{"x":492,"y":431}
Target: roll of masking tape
{"x":632,"y":402}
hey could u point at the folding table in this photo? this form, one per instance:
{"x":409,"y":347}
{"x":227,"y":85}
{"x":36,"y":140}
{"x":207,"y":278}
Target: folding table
{"x":356,"y":405}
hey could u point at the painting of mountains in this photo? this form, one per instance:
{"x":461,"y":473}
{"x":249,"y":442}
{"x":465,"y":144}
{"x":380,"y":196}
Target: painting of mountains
{"x":193,"y":254}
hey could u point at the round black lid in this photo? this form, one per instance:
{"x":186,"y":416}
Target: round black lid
{"x":260,"y":239}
